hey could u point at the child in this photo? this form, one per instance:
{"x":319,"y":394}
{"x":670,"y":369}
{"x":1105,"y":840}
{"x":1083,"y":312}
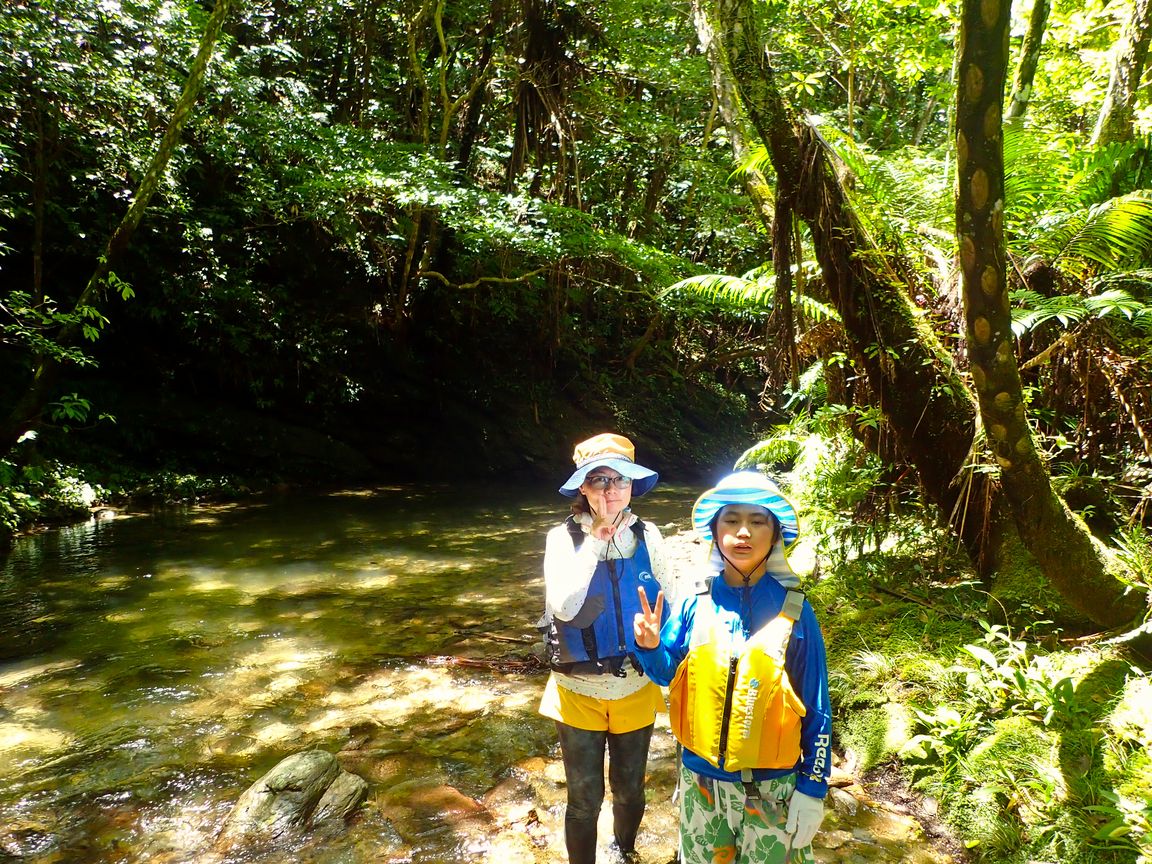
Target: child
{"x":756,"y":732}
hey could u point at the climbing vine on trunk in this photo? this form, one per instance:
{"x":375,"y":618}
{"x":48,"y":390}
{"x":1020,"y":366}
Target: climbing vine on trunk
{"x":1071,"y":560}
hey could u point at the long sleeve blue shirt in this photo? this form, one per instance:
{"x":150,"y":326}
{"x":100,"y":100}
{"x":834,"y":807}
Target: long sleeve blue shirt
{"x":804,"y":660}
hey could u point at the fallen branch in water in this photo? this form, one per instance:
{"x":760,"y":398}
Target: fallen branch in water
{"x":506,"y":665}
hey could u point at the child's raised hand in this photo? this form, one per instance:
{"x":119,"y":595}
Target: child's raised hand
{"x":646,"y":624}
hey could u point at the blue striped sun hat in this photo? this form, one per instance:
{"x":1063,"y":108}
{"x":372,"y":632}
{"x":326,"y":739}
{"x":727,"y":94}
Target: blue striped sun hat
{"x":745,"y":487}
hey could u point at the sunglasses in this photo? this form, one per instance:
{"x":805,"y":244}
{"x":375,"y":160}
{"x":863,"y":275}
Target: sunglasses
{"x":603,"y":481}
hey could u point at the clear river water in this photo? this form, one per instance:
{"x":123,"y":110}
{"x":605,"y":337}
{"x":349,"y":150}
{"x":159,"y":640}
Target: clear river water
{"x":153,"y":665}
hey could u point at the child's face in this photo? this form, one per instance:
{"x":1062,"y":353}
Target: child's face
{"x":745,"y":534}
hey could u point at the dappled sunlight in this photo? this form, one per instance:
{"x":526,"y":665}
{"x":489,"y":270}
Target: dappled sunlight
{"x":20,"y":741}
{"x":201,"y":651}
{"x":15,"y":674}
{"x":205,"y":644}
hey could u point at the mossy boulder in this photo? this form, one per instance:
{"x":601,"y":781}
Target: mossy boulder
{"x":876,"y":734}
{"x":300,"y":791}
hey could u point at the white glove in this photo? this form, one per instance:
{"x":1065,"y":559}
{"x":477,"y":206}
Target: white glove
{"x":805,"y":814}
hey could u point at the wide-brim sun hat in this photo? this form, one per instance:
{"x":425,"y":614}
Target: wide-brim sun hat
{"x":746,"y":487}
{"x":611,"y":451}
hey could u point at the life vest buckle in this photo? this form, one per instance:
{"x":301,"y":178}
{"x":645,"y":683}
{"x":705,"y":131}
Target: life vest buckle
{"x":751,"y":789}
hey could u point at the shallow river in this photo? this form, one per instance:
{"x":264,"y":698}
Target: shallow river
{"x":152,"y":666}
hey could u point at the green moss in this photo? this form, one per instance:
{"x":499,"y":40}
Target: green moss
{"x":1018,"y":750}
{"x":1022,"y":596}
{"x":1004,"y":790}
{"x":875,"y":735}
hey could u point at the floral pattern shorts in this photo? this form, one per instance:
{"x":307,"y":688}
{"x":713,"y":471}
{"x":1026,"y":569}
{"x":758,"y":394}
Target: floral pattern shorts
{"x":719,"y":824}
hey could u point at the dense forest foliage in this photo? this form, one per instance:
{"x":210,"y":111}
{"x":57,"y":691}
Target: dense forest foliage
{"x":379,"y":224}
{"x":464,"y":228}
{"x":261,"y":241}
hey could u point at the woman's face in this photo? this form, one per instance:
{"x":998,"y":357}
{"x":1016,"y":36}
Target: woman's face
{"x":745,"y":534}
{"x":607,"y":497}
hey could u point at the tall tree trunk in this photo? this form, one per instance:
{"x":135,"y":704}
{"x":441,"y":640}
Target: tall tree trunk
{"x":1115,"y":120}
{"x":419,"y":98}
{"x":1073,"y":562}
{"x":1029,"y":59}
{"x":755,"y":184}
{"x":28,"y":409}
{"x":477,"y":94}
{"x":770,"y":207}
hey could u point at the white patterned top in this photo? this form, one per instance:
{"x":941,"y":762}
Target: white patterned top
{"x":567,"y":574}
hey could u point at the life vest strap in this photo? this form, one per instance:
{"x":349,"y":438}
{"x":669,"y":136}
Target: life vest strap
{"x":793,"y":605}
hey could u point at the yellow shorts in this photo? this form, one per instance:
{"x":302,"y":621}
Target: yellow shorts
{"x":597,"y":715}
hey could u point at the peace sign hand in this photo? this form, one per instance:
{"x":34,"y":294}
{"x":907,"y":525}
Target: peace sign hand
{"x":646,"y":624}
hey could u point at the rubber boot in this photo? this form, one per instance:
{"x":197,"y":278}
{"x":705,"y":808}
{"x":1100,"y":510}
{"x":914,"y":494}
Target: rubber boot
{"x":627,"y":763}
{"x":583,"y":753}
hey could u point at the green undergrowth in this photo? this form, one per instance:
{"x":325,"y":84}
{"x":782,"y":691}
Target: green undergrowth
{"x":1035,"y":747}
{"x":49,"y":491}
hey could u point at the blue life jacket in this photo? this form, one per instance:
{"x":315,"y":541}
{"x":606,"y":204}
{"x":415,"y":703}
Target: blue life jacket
{"x":600,"y":638}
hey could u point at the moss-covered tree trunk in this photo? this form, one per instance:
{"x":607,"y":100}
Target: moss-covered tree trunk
{"x":921,"y":393}
{"x":1131,"y":52}
{"x":773,"y":209}
{"x":1029,"y":60}
{"x":1060,"y":542}
{"x":755,"y":184}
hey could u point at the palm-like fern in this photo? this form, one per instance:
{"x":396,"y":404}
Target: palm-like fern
{"x":1113,"y":235}
{"x":1033,"y":309}
{"x":752,"y":293}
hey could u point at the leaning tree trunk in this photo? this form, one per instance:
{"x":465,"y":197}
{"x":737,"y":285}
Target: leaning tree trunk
{"x":917,"y":386}
{"x":755,"y":184}
{"x":774,"y":211}
{"x":1029,"y":60}
{"x":29,"y":408}
{"x":1115,"y":120}
{"x":1072,"y":561}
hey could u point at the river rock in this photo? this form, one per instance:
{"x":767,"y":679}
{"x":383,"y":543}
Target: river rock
{"x":300,"y":791}
{"x":341,"y":798}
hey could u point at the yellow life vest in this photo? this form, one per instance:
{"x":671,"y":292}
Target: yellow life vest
{"x":735,"y":700}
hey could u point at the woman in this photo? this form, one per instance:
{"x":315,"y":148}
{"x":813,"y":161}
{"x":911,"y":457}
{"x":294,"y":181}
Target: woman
{"x":596,"y":564}
{"x":748,"y":679}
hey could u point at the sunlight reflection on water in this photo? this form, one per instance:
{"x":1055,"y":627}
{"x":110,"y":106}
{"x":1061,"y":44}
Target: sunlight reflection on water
{"x":152,"y":666}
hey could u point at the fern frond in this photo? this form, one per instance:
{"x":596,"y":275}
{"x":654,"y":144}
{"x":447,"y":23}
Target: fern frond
{"x":903,"y":189}
{"x":812,"y":388}
{"x":784,"y":446}
{"x":754,"y":292}
{"x":1033,"y":173}
{"x":756,"y":159}
{"x":732,"y":292}
{"x":1111,"y":235}
{"x":1138,"y":282}
{"x":817,"y":311}
{"x":1033,"y":309}
{"x":1114,"y":302}
{"x":1119,"y":166}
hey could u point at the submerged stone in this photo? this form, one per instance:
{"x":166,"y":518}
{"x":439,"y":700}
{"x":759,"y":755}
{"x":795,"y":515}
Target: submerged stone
{"x":301,"y":790}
